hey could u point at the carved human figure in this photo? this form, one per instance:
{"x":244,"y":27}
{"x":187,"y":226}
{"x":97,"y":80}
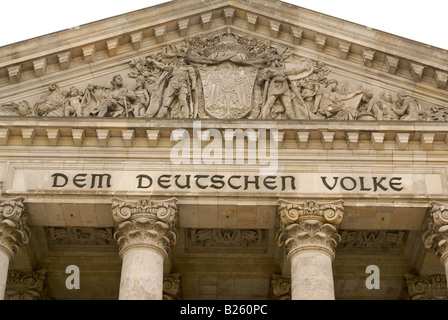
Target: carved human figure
{"x":73,"y":105}
{"x":386,"y":106}
{"x":407,"y":108}
{"x":332,"y":104}
{"x":52,"y":103}
{"x":142,"y":97}
{"x":275,"y":87}
{"x":117,"y":101}
{"x":16,"y":109}
{"x":91,"y":99}
{"x":178,"y":99}
{"x":308,"y":92}
{"x":368,"y":109}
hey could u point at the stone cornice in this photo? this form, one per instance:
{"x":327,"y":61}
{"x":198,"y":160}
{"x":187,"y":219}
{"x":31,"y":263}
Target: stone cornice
{"x":304,"y":134}
{"x":147,"y":29}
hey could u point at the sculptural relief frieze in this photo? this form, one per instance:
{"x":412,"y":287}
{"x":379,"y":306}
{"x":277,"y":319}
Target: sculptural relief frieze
{"x":227,"y":76}
{"x":226,"y":237}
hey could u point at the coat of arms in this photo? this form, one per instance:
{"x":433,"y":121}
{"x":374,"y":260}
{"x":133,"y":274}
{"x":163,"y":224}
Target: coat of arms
{"x":228,"y":90}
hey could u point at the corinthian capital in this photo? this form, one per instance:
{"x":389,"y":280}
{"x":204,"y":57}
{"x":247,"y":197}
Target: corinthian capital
{"x":309,"y":225}
{"x":14,"y":231}
{"x":26,"y":285}
{"x":432,"y":287}
{"x":435,"y":232}
{"x":145,"y":223}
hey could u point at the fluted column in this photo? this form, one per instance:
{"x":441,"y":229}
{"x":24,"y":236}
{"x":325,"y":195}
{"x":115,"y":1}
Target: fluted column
{"x":145,"y":229}
{"x":14,"y":232}
{"x":435,"y":232}
{"x":309,"y":235}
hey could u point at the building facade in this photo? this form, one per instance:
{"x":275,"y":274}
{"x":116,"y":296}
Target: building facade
{"x":223,"y":150}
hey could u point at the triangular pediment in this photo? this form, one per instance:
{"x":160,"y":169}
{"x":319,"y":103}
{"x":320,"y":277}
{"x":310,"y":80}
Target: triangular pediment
{"x":333,"y":70}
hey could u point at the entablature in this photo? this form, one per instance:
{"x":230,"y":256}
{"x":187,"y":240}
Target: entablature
{"x":288,"y":134}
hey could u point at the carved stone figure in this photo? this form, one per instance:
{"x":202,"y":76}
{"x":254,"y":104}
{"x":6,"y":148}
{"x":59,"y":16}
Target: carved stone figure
{"x":334,"y":105}
{"x":73,"y":106}
{"x":308,"y":93}
{"x":142,"y":98}
{"x":368,"y":109}
{"x":407,"y":108}
{"x":276,"y":87}
{"x":52,"y":103}
{"x":16,"y":109}
{"x":386,"y":107}
{"x":90,"y":100}
{"x":117,"y":101}
{"x":178,"y":86}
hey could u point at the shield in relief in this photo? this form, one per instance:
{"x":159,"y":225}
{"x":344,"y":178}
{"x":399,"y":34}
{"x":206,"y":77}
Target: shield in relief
{"x":228,"y":89}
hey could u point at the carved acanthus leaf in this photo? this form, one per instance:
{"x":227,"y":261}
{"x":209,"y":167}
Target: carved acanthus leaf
{"x":14,"y":231}
{"x":26,"y":285}
{"x":148,"y":222}
{"x":309,"y":224}
{"x":280,"y":287}
{"x":431,"y":287}
{"x":172,"y":286}
{"x":435,"y":231}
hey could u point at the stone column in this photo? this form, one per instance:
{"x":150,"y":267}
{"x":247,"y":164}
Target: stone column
{"x":145,"y":229}
{"x":435,"y":232}
{"x":309,"y":235}
{"x":14,"y":232}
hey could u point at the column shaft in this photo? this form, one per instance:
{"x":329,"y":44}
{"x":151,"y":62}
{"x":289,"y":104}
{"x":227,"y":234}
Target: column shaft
{"x":4,"y":265}
{"x":311,"y":276}
{"x":445,"y":264}
{"x":142,"y":275}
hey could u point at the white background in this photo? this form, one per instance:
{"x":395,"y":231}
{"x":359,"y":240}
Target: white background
{"x":423,"y":21}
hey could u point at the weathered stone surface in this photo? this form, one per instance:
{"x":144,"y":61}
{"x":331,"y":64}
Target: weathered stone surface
{"x":356,"y":114}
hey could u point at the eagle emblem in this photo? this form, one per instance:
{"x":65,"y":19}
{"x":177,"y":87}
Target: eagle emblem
{"x":228,"y":89}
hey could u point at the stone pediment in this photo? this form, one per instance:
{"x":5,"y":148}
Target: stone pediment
{"x":225,"y":60}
